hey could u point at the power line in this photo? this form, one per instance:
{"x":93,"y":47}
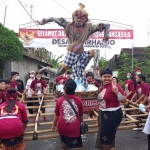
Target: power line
{"x":28,"y":13}
{"x":62,"y":6}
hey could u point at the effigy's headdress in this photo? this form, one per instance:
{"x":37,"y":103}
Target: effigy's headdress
{"x":80,"y":12}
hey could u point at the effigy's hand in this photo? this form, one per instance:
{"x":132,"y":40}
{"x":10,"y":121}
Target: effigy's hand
{"x":105,"y":41}
{"x":42,"y":22}
{"x":101,"y":27}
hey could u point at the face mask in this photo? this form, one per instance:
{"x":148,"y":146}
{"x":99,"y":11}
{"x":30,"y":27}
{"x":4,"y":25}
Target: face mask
{"x":31,"y":75}
{"x":138,"y":73}
{"x":128,"y":77}
{"x":17,"y":77}
{"x":38,"y":78}
{"x":139,"y":82}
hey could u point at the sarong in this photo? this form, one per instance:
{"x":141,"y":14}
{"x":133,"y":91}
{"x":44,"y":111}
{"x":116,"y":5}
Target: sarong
{"x":78,"y":63}
{"x":108,"y":125}
{"x":70,"y":143}
{"x":13,"y":144}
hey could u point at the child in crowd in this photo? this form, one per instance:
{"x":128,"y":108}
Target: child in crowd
{"x":91,"y":80}
{"x":2,"y":91}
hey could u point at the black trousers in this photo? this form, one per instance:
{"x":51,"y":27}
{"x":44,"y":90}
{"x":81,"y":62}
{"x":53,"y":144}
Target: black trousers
{"x":34,"y":104}
{"x":31,"y":104}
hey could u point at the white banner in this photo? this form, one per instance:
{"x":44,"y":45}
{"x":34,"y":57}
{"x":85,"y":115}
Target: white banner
{"x":56,"y":38}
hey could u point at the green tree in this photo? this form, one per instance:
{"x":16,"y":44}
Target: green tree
{"x":145,"y":65}
{"x":125,"y":66}
{"x":103,"y":63}
{"x":11,"y":49}
{"x":55,"y":61}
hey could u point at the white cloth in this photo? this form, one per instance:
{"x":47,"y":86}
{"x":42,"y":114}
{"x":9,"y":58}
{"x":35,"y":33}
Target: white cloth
{"x":110,"y":109}
{"x":28,"y":86}
{"x":146,"y":129}
{"x":8,"y":117}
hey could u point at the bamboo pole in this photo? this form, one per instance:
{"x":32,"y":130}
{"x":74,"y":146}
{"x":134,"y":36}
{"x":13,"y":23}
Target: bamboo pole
{"x":96,"y":114}
{"x":36,"y":97}
{"x":137,"y":106}
{"x":43,"y":114}
{"x":37,"y":117}
{"x":138,"y":115}
{"x":89,"y":132}
{"x":130,"y":117}
{"x":129,"y":109}
{"x":31,"y":115}
{"x":34,"y":101}
{"x":47,"y":106}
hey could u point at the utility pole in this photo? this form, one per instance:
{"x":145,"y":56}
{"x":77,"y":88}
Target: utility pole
{"x":148,"y":31}
{"x":31,"y":7}
{"x":5,"y":15}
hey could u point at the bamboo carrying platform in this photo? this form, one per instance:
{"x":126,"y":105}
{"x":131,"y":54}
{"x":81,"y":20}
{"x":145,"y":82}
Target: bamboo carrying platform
{"x":42,"y":130}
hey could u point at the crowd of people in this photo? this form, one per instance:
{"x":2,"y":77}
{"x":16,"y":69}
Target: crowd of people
{"x":13,"y":114}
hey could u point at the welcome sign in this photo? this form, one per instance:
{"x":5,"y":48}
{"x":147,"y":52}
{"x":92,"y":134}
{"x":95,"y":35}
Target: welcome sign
{"x":56,"y":38}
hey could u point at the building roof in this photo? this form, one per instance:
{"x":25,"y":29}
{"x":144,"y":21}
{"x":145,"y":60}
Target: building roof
{"x":136,"y":50}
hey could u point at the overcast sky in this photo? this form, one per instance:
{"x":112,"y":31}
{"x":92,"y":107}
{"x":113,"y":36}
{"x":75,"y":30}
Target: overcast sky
{"x":131,"y":12}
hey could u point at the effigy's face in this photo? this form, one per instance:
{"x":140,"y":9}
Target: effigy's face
{"x":80,"y":17}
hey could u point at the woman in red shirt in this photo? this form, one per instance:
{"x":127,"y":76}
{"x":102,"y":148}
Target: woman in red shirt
{"x":110,"y":113}
{"x":13,"y":121}
{"x":130,"y":85}
{"x":142,"y":89}
{"x":66,"y":120}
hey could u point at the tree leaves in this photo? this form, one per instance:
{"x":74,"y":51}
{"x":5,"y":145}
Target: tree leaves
{"x":103,"y":63}
{"x":55,"y":61}
{"x":11,"y":49}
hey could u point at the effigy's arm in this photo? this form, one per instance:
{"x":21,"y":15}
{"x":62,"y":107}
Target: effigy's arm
{"x":60,"y":21}
{"x":101,"y":27}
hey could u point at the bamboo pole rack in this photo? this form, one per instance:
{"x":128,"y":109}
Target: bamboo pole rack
{"x":34,"y":131}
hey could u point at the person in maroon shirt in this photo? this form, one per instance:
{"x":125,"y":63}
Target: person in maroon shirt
{"x":7,"y":82}
{"x":68,"y":124}
{"x":2,"y":91}
{"x":110,"y":113}
{"x":13,"y":121}
{"x":115,"y":79}
{"x":91,"y":80}
{"x":69,"y":73}
{"x":61,"y":80}
{"x":142,"y":89}
{"x":130,"y":86}
{"x":138,"y":71}
{"x":14,"y":83}
{"x":39,"y":87}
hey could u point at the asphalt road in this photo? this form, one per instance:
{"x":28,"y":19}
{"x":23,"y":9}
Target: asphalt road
{"x":125,"y":140}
